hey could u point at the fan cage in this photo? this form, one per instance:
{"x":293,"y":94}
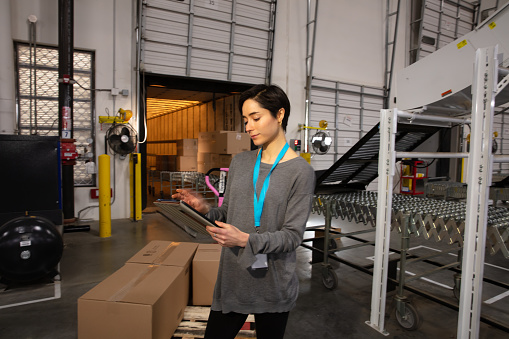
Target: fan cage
{"x":123,"y":147}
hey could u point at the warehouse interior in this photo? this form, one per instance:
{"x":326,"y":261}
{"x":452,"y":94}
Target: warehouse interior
{"x":107,"y":107}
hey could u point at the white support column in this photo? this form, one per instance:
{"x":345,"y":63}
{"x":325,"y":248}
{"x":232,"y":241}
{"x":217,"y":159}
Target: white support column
{"x":479,"y":180}
{"x":386,"y":165}
{"x":7,"y":82}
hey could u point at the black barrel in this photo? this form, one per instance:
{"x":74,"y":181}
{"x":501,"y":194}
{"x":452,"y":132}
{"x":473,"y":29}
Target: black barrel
{"x":30,"y":249}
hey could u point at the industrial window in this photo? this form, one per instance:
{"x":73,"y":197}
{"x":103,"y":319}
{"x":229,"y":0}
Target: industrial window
{"x":37,"y":100}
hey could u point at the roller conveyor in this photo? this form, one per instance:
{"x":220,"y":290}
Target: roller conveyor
{"x":429,"y":218}
{"x":446,"y":190}
{"x":454,"y":190}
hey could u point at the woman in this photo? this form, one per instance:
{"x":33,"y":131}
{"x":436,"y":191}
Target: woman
{"x":259,"y":231}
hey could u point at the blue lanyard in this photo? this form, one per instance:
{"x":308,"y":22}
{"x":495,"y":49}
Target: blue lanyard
{"x":258,"y":202}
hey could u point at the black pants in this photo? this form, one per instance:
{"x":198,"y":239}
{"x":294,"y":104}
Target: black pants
{"x":227,"y":326}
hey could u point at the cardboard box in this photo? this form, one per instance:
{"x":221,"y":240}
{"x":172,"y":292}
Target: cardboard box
{"x":225,"y":160}
{"x":207,"y":142}
{"x":208,"y":157}
{"x":137,"y":301}
{"x":166,"y":163}
{"x":223,"y":142}
{"x":144,"y":299}
{"x":205,"y":267}
{"x":187,"y":147}
{"x":167,"y":253}
{"x":233,"y":142}
{"x":187,"y":164}
{"x":207,"y":161}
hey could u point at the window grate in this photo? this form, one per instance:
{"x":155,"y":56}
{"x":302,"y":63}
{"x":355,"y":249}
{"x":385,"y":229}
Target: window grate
{"x":37,"y":100}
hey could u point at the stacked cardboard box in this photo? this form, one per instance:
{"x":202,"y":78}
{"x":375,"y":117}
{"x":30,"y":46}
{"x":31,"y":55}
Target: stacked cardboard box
{"x":166,"y":163}
{"x":145,"y":298}
{"x":224,"y":160}
{"x":205,"y":267}
{"x":187,"y":150}
{"x":216,"y":149}
{"x":206,"y":161}
{"x":187,"y":147}
{"x":187,"y":164}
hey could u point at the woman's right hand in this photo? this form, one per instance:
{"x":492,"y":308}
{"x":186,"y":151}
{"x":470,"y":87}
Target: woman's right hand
{"x":192,"y":199}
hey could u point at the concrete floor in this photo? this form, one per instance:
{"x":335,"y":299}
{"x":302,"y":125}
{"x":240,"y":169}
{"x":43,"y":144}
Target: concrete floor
{"x":320,"y":313}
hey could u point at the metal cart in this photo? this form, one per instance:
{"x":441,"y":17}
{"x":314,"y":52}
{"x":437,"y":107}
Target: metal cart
{"x":442,"y":221}
{"x":188,"y":179}
{"x":153,"y":180}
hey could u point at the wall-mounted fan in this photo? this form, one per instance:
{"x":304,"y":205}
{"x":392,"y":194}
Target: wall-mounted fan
{"x":122,"y":139}
{"x":321,"y":142}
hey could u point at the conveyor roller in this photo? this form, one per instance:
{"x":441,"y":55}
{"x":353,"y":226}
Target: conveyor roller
{"x":429,"y":218}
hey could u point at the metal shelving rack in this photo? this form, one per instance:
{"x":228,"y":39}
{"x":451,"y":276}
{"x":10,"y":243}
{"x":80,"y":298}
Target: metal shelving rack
{"x":484,"y":89}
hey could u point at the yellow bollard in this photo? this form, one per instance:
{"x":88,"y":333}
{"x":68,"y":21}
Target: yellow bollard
{"x":306,"y":156}
{"x":104,"y":196}
{"x":135,"y":185}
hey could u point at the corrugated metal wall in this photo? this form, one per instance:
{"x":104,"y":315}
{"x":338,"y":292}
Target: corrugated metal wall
{"x":440,"y":23}
{"x":228,"y":40}
{"x":351,"y":110}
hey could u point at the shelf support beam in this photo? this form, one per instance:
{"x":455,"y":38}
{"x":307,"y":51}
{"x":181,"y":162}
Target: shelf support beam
{"x":479,"y":181}
{"x":386,"y":166}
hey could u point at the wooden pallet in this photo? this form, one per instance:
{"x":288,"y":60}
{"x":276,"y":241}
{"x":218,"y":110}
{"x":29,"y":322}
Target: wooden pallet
{"x":195,"y":321}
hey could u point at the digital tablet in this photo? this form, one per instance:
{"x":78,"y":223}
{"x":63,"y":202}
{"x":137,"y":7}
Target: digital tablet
{"x":185,"y":215}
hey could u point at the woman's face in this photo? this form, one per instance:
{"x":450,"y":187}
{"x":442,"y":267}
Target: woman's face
{"x":260,"y":124}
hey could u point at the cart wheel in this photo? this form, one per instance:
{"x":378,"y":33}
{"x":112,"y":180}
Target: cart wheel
{"x":456,"y":291}
{"x":329,"y":278}
{"x":410,"y":320}
{"x":333,"y":244}
{"x":457,"y":286}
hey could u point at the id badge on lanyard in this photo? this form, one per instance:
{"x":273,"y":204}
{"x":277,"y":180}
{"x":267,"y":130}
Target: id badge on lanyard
{"x":261,"y":258}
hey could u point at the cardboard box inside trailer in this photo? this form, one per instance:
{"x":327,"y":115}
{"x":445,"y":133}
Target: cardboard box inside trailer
{"x":187,"y":147}
{"x":223,"y":142}
{"x":187,"y":164}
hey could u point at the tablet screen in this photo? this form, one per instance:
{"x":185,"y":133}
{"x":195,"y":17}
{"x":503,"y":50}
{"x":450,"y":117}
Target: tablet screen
{"x":183,"y":214}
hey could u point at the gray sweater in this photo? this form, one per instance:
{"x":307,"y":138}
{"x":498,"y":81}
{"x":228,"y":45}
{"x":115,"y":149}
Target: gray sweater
{"x":286,"y":210}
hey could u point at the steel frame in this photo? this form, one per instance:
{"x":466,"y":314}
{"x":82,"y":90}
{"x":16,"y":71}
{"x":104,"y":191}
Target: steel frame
{"x":186,"y":179}
{"x":479,"y":177}
{"x":310,"y":57}
{"x":386,"y":167}
{"x":390,"y":65}
{"x":428,"y":222}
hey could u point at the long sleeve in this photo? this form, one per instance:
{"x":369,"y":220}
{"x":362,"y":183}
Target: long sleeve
{"x":285,"y":213}
{"x":283,"y":227}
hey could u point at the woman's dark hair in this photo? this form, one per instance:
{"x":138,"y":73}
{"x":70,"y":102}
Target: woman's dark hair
{"x":270,"y":97}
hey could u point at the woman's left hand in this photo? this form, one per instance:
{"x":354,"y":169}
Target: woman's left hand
{"x":228,"y":235}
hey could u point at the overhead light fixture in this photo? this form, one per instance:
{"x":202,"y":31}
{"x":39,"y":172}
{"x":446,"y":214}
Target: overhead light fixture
{"x":157,"y":106}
